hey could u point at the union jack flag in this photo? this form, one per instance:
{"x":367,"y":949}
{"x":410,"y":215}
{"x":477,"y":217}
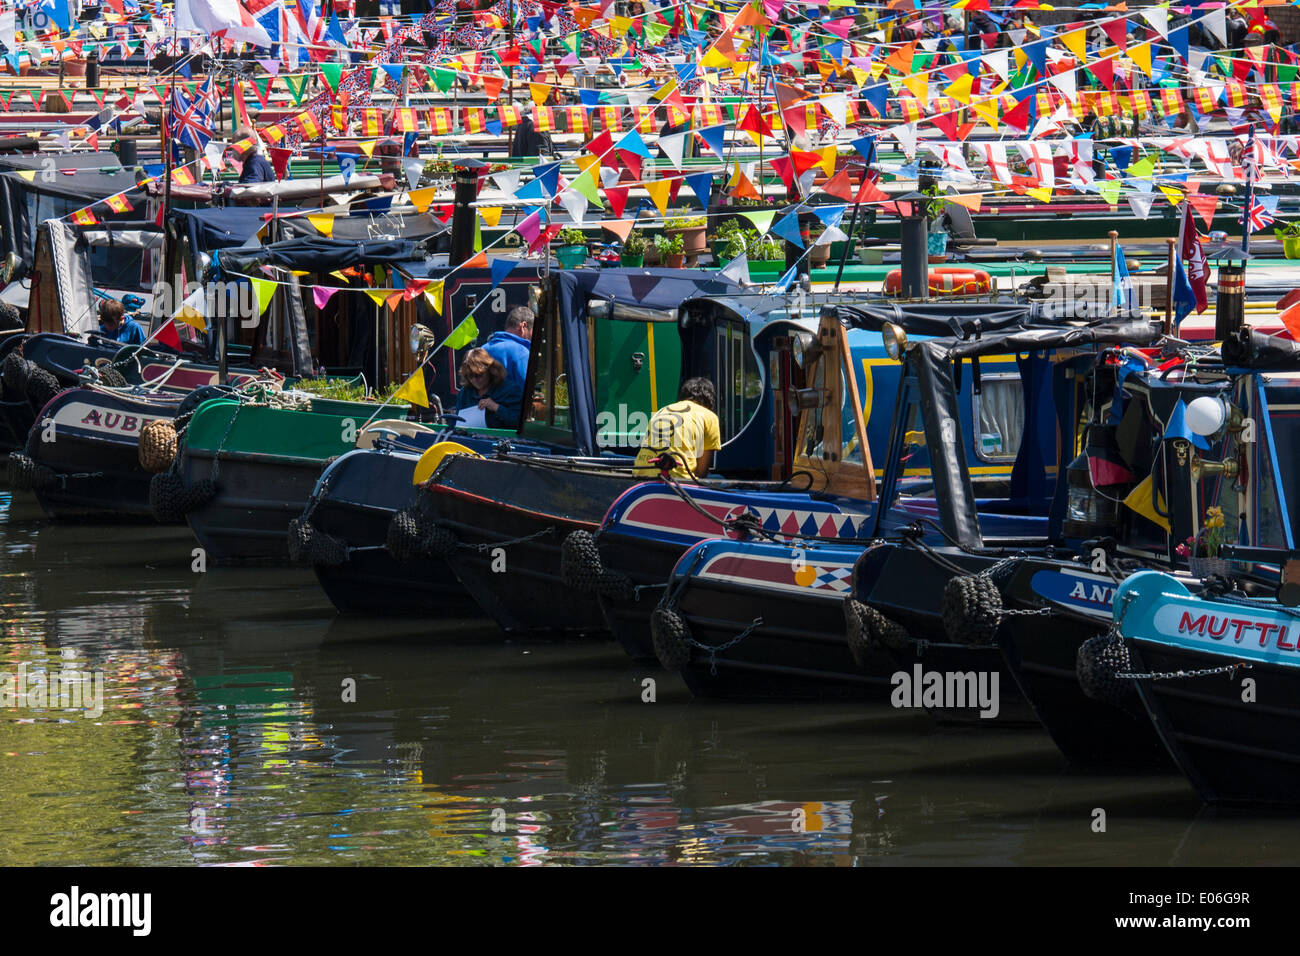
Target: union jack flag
{"x":189,"y":121}
{"x":1261,"y":212}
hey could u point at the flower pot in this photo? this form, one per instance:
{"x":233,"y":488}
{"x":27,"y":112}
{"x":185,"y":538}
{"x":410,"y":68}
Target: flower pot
{"x":674,"y":260}
{"x":632,"y":261}
{"x":1291,"y":247}
{"x":936,"y":244}
{"x":765,"y":269}
{"x":571,"y":257}
{"x":694,"y":240}
{"x":818,"y":256}
{"x":1209,"y":567}
{"x":871,"y":255}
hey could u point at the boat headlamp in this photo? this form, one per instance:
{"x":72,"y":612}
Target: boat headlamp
{"x":421,"y":338}
{"x":895,"y":340}
{"x":806,"y":348}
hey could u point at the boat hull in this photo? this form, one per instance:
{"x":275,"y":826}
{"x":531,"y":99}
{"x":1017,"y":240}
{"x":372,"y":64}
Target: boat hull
{"x":793,"y":643}
{"x":361,"y":493}
{"x":1041,"y":654}
{"x":502,"y":509}
{"x":93,"y":448}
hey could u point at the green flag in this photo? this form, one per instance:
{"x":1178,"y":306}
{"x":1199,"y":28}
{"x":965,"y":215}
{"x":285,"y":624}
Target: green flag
{"x":297,"y":86}
{"x":462,"y":334}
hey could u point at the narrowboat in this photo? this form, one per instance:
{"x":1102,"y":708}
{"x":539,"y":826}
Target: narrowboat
{"x":1219,"y":676}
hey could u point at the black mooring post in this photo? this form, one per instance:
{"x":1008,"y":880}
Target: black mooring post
{"x":462,"y":217}
{"x":913,"y":235}
{"x":1229,"y":302}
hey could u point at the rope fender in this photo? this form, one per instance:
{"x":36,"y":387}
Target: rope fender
{"x":1098,"y":664}
{"x":157,"y":446}
{"x":14,"y":373}
{"x":971,"y":609}
{"x":171,"y":500}
{"x":867,"y":629}
{"x":26,"y":475}
{"x":41,"y":386}
{"x":309,"y":545}
{"x":671,"y":636}
{"x":582,"y":569}
{"x":411,"y":535}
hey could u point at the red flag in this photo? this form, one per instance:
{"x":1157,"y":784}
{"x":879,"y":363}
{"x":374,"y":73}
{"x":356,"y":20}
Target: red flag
{"x":1189,"y":249}
{"x":168,"y":335}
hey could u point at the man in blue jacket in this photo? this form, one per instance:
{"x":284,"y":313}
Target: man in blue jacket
{"x":511,"y":346}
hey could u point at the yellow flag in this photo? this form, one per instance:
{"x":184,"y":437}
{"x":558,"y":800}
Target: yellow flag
{"x":368,"y":146}
{"x":829,"y":156}
{"x":434,"y":295}
{"x":1140,"y":54}
{"x":919,"y":84}
{"x":264,"y":289}
{"x":590,"y":164}
{"x":659,"y":190}
{"x":959,"y":89}
{"x":491,"y":215}
{"x":323,"y":224}
{"x":1041,"y":193}
{"x":539,"y":91}
{"x":413,"y":390}
{"x":420,"y":198}
{"x":1076,"y":41}
{"x":378,"y":295}
{"x":988,"y":112}
{"x":1141,"y":500}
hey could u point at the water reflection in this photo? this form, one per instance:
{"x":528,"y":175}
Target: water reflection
{"x":246,"y":724}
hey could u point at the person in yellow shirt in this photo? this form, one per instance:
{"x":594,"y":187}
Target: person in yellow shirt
{"x":687,"y":430}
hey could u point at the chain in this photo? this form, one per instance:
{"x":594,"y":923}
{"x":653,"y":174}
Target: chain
{"x":1026,"y":611}
{"x":636,"y":591}
{"x":63,"y":479}
{"x":715,"y":649}
{"x":1229,"y":669}
{"x":486,"y":547}
{"x":216,"y":455}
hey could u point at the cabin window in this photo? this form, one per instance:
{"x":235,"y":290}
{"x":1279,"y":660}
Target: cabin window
{"x":738,"y":379}
{"x":999,"y":407}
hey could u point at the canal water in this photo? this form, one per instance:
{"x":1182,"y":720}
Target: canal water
{"x":244,"y":723}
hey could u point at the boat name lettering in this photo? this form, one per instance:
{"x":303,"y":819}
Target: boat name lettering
{"x":1219,"y":627}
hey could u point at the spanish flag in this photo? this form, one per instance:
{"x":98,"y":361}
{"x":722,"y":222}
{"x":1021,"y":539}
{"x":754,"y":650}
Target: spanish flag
{"x":119,"y":203}
{"x":84,"y":217}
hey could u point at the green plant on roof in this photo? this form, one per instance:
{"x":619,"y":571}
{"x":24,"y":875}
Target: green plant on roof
{"x":670,"y":245}
{"x":1289,"y":230}
{"x":634,"y":244}
{"x":572,"y":237}
{"x":735,"y":238}
{"x":766,"y":249}
{"x":686,"y":222}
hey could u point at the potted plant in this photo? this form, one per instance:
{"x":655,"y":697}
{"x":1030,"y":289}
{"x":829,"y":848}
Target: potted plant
{"x":670,"y":249}
{"x":572,"y":248}
{"x":633,"y":254}
{"x":766,"y":258}
{"x":692,"y":232}
{"x":1212,"y":536}
{"x":731,"y":239}
{"x":1289,"y":234}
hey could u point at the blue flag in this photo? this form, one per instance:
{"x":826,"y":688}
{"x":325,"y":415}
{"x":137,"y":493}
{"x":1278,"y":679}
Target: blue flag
{"x":1184,"y":294}
{"x":1124,"y":298}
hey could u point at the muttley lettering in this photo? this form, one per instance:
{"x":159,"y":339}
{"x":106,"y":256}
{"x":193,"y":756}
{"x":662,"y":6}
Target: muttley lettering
{"x":1225,"y":628}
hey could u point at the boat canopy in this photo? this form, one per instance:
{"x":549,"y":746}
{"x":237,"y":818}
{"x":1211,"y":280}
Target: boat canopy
{"x":316,"y":254}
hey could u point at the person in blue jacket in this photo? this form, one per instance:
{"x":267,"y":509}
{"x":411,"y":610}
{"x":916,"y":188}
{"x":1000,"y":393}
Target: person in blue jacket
{"x":511,"y":346}
{"x":485,"y":384}
{"x":116,"y":325}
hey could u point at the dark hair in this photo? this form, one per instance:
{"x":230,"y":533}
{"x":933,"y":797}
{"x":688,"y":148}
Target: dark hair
{"x":111,"y":311}
{"x":700,"y":391}
{"x":520,"y":317}
{"x":478,"y":361}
